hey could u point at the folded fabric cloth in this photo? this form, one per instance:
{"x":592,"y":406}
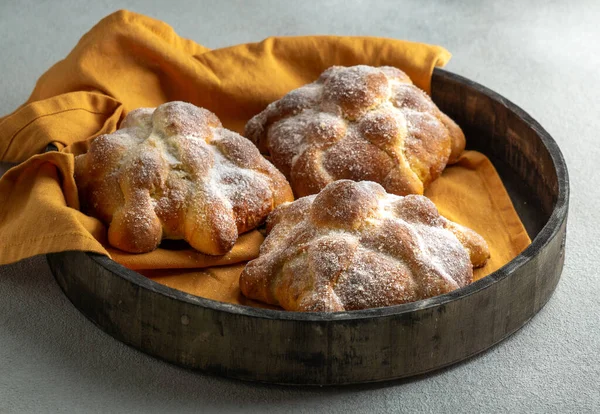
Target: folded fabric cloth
{"x":128,"y":61}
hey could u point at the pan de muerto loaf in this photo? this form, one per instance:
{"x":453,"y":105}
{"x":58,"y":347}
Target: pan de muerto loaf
{"x":175,"y":173}
{"x":353,"y":246}
{"x":358,"y":123}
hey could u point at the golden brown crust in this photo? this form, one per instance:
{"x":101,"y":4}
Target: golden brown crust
{"x":358,"y":123}
{"x":353,"y":246}
{"x":174,"y":172}
{"x":473,"y":242}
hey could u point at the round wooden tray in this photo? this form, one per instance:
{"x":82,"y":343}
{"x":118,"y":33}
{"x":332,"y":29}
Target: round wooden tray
{"x":358,"y":346}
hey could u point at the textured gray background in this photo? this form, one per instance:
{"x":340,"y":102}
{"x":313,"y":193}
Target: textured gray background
{"x":542,"y":55}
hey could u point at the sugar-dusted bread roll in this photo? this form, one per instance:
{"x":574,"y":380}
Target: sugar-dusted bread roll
{"x":353,"y":246}
{"x":175,"y":173}
{"x":358,"y":123}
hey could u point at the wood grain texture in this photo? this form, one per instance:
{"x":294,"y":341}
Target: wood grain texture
{"x":359,"y":346}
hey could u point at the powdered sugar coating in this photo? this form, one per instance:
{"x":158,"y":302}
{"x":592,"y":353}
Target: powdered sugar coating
{"x":358,"y":123}
{"x":174,"y":172}
{"x":354,"y":246}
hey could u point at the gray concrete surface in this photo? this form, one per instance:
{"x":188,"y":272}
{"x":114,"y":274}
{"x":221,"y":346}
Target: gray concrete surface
{"x":543,"y":55}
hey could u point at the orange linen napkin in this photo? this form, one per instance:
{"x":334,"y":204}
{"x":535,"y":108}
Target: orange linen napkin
{"x":128,"y":61}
